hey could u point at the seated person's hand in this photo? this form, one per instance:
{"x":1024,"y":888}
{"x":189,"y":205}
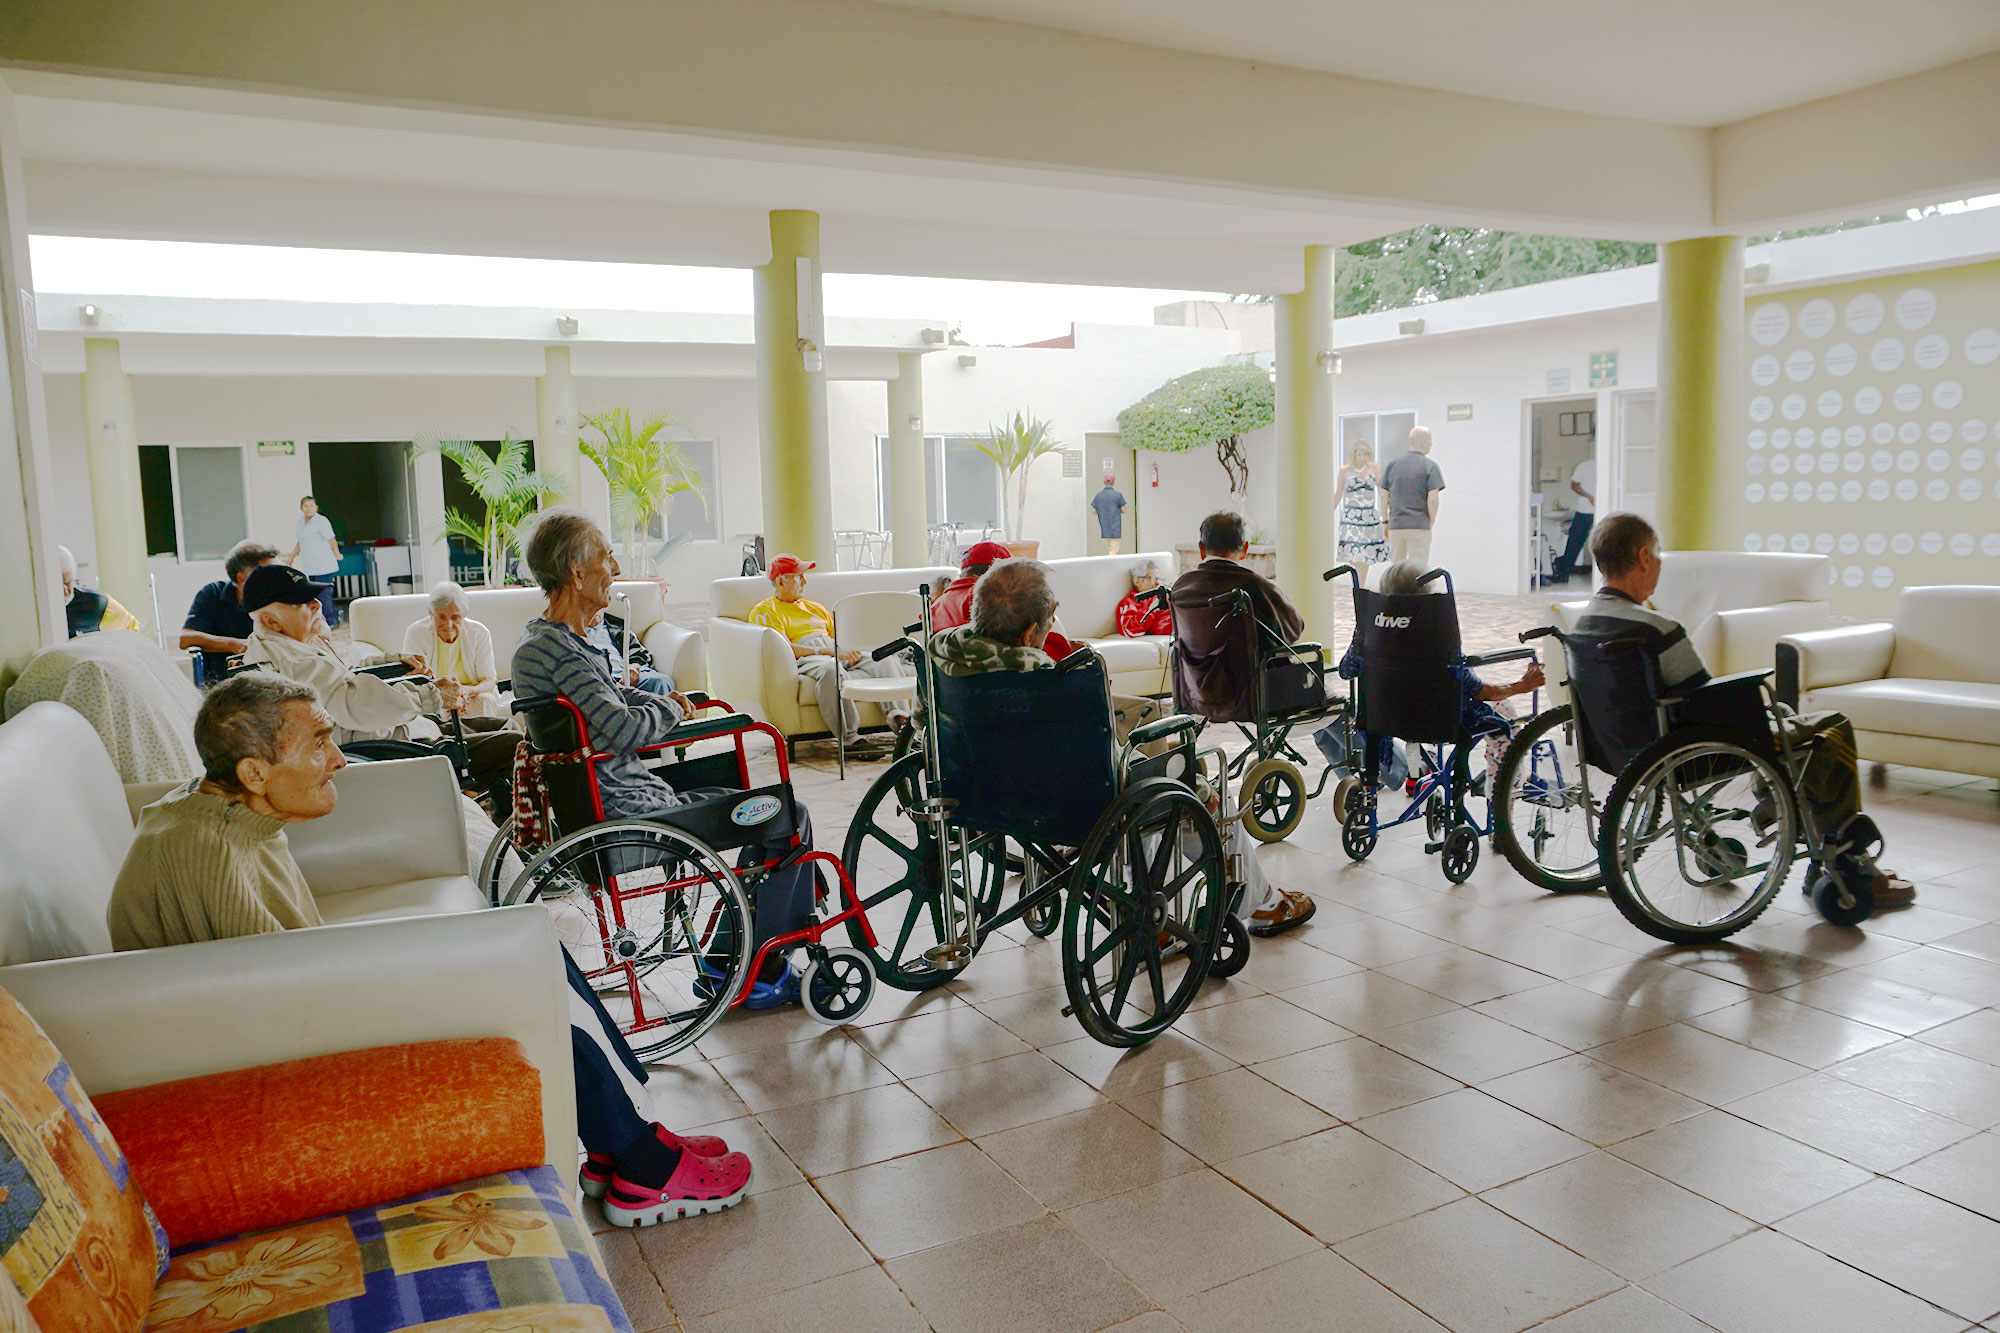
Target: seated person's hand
{"x":1533,"y":679}
{"x":416,"y":663}
{"x":850,"y":659}
{"x":631,"y":676}
{"x":682,"y":702}
{"x":452,"y":694}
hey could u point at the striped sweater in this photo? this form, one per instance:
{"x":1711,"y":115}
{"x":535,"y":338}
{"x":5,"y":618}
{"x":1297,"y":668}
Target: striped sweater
{"x":205,"y":868}
{"x":553,"y":659}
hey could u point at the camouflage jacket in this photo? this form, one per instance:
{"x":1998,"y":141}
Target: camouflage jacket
{"x":960,"y":652}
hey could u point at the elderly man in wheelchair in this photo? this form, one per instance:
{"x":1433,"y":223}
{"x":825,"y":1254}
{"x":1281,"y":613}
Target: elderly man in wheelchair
{"x":1115,"y":845}
{"x":1718,"y":785}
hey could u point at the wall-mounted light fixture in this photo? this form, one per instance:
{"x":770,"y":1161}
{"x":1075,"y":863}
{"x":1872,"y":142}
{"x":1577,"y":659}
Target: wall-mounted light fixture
{"x":1756,"y":273}
{"x":1329,"y":363}
{"x":90,"y":313}
{"x":933,"y":335}
{"x":914,"y":422}
{"x":566,"y":325}
{"x":1410,"y":326}
{"x":968,"y":361}
{"x":810,"y":355}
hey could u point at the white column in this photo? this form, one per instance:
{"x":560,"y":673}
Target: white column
{"x":433,"y":553}
{"x":1305,"y":445}
{"x":555,"y":420}
{"x":117,"y":510}
{"x":906,"y":462}
{"x":30,"y":577}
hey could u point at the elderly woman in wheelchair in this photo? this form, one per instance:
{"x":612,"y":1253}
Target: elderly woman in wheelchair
{"x":1717,"y":786}
{"x":1116,"y":846}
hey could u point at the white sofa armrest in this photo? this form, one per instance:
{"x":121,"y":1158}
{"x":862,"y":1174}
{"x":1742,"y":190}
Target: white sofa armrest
{"x":1838,"y":656}
{"x":677,"y":650}
{"x":753,"y":668}
{"x":362,"y":650}
{"x":396,"y":820}
{"x":1746,"y":639}
{"x":127,"y":1020}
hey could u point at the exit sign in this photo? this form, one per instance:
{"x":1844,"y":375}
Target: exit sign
{"x":1604,"y":370}
{"x":276,"y":448}
{"x":1458,"y":412}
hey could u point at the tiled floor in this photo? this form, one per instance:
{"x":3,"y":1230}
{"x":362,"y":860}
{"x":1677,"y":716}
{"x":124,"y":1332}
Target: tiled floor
{"x":1480,"y":1108}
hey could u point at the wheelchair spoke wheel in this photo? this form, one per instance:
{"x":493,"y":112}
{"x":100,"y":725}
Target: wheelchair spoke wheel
{"x":1234,"y":953}
{"x":1544,"y":816}
{"x":1698,"y":836}
{"x":893,"y":859}
{"x":1357,"y":827}
{"x":1461,"y":853}
{"x":1147,"y":906}
{"x":656,"y":921}
{"x":1274,"y":799}
{"x":500,"y":866}
{"x":837,"y":986}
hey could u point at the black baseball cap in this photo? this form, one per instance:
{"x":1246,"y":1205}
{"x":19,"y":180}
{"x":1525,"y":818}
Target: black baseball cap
{"x":279,"y":583}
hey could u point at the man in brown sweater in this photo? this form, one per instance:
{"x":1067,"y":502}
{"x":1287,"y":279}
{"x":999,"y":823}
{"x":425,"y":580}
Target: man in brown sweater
{"x":1214,"y":671}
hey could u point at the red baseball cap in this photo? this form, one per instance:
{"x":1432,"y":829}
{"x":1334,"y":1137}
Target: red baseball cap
{"x":984,"y":553}
{"x":787,"y":563}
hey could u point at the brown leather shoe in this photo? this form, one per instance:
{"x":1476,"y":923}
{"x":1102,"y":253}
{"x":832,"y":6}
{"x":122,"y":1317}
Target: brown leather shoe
{"x":1288,"y":913}
{"x":1892,"y":893}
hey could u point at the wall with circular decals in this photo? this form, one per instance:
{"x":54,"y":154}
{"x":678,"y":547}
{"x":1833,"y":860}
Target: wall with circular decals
{"x":1871,"y":432}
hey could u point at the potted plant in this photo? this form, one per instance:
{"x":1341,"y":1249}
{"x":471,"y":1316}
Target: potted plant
{"x":643,"y":470}
{"x":1014,"y":447}
{"x":509,"y":492}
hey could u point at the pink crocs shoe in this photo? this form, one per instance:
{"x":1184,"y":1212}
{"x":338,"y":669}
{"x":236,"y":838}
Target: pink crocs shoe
{"x":596,"y":1173}
{"x":698,"y":1185}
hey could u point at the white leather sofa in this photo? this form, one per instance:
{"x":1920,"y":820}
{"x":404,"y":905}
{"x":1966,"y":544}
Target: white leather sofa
{"x":1736,"y":605}
{"x":1922,"y":689}
{"x":392,"y":848}
{"x":1089,"y":588}
{"x":753,"y":668}
{"x":378,"y":624}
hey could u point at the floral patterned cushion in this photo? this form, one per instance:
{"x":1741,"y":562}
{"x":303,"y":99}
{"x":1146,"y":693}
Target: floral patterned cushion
{"x":76,"y":1237}
{"x":500,"y":1254}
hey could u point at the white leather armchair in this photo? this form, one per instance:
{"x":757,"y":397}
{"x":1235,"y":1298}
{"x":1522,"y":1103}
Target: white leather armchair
{"x":1735,"y":605}
{"x":1089,"y":589}
{"x":1922,"y":689}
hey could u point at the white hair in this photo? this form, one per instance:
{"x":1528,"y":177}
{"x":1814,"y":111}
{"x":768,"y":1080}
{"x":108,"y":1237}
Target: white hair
{"x":448,"y":593}
{"x":1146,"y":568}
{"x":67,"y":559}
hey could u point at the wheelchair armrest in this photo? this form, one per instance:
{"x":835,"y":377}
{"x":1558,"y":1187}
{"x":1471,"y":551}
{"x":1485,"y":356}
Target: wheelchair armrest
{"x":1312,"y":650}
{"x":1148,"y":732}
{"x":1718,"y":684}
{"x":1499,"y":655}
{"x":700,"y":729}
{"x":386,"y":671}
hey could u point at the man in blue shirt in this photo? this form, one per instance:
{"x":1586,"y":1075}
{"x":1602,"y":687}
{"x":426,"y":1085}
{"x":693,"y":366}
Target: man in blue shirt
{"x":1110,"y":507}
{"x":216,"y":621}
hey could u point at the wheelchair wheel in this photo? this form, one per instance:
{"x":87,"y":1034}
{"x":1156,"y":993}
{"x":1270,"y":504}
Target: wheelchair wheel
{"x":837,"y":986}
{"x":1343,"y":794}
{"x":1544,"y":818}
{"x":1234,"y":953}
{"x":1826,"y":897}
{"x":1043,"y":919}
{"x":893,"y":859}
{"x":500,"y":866}
{"x":1357,"y":830}
{"x":1147,"y":904}
{"x":1273,"y":799}
{"x":1461,"y":853}
{"x":1686,"y":853}
{"x":656,"y":921}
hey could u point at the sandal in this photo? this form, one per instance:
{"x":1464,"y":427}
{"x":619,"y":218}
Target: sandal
{"x":698,"y":1185}
{"x":1291,"y":911}
{"x":596,"y":1173}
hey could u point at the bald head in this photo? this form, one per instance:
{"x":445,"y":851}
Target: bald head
{"x":1420,"y":439}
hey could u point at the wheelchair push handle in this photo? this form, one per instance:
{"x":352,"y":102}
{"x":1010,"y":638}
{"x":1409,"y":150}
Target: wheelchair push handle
{"x":1081,"y":657}
{"x":1348,"y":570}
{"x":891,"y":648}
{"x":1539,"y":632}
{"x":1439,"y":573}
{"x":1159,"y":595}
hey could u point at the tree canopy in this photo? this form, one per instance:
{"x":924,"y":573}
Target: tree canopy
{"x":1216,"y":405}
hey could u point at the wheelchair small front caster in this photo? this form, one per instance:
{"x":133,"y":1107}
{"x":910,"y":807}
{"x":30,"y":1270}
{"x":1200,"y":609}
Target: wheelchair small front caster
{"x":1461,"y":853}
{"x":1826,"y":898}
{"x":1343,"y":794}
{"x":1234,"y":952}
{"x":837,"y":985}
{"x":1274,"y":799}
{"x":1043,"y":918}
{"x":1357,"y":831}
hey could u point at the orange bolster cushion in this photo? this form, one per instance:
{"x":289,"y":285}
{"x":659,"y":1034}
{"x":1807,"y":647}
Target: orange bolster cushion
{"x":256,"y":1148}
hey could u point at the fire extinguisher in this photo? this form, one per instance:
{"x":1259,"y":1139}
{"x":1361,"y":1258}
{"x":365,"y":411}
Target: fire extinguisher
{"x":1156,"y":476}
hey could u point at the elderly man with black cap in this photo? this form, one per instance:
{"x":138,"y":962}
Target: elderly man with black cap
{"x":291,"y":637}
{"x":808,"y":627}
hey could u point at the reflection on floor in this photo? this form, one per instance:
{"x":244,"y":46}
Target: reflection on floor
{"x":1480,"y":1108}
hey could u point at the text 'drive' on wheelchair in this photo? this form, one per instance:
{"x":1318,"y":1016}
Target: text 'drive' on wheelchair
{"x":655,"y":917}
{"x":1274,"y":686}
{"x":1702,"y":820}
{"x":1412,"y":688}
{"x":1116,"y":845}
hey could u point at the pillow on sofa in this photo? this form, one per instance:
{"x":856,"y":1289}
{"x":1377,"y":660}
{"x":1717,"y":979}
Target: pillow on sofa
{"x":14,"y":1316}
{"x":76,"y":1235}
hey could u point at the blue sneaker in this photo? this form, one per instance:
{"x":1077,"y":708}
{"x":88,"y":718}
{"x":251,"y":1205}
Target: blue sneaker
{"x":774,"y":994}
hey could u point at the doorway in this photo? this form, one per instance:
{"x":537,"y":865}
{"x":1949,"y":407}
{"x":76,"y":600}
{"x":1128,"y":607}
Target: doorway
{"x":1104,"y":454}
{"x":366,"y":489}
{"x":1562,"y":461}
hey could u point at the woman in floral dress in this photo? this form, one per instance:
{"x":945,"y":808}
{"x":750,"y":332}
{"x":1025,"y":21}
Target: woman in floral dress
{"x":1362,"y":539}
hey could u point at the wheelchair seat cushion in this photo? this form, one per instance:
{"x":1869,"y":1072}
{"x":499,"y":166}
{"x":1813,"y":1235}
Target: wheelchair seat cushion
{"x":1028,"y":753}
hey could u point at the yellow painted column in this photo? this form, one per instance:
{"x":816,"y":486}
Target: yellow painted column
{"x":791,"y":392}
{"x":31,"y":606}
{"x":1303,"y":461}
{"x":555,"y":426}
{"x":117,"y":509}
{"x":907,"y":513}
{"x":1701,"y":386}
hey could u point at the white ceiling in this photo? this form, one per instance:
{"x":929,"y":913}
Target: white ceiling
{"x":1689,"y":62}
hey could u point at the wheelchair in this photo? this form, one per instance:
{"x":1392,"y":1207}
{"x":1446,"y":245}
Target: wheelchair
{"x":1277,"y":692}
{"x":1703,"y":821}
{"x":1411,"y":689}
{"x":1114,"y":845}
{"x":656,"y":919}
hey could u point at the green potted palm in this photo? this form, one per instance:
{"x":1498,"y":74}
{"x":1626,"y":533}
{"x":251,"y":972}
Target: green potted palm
{"x":509,"y":492}
{"x":1014,"y":448}
{"x":644,"y":469}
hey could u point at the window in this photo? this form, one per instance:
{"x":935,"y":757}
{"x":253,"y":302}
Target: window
{"x":194,"y":499}
{"x":1387,"y":433}
{"x":699,"y":515}
{"x":961,"y":485}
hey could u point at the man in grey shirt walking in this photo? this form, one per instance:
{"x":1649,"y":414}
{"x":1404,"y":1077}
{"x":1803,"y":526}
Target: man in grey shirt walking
{"x":1413,"y":483}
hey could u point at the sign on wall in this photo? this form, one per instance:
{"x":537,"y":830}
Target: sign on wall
{"x":1604,"y":370}
{"x":1458,"y":412}
{"x":275,"y":448}
{"x":1559,"y":380}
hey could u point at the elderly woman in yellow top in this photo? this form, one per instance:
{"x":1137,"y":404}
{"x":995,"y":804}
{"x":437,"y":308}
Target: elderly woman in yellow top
{"x":457,"y":648}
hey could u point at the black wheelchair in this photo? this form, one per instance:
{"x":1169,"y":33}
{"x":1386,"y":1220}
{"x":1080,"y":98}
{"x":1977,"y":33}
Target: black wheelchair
{"x":656,"y":919}
{"x":1280,"y":686}
{"x":1115,"y":844}
{"x":1411,"y":688}
{"x":1702,"y":821}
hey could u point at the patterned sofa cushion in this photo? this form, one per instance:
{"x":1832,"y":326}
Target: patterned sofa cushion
{"x":76,"y":1237}
{"x":500,"y":1254}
